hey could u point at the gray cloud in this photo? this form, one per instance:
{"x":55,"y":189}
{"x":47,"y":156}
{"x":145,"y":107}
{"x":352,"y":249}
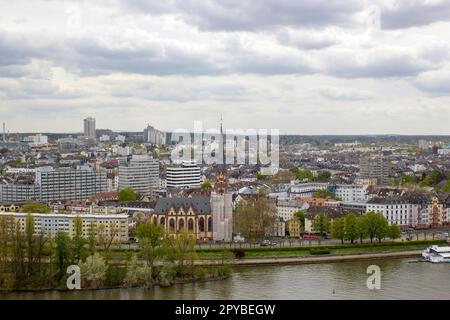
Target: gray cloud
{"x":435,"y":83}
{"x":235,"y":15}
{"x":401,"y":14}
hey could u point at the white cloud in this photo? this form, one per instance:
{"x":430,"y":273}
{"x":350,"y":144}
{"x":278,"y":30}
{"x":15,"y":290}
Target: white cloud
{"x":261,"y":64}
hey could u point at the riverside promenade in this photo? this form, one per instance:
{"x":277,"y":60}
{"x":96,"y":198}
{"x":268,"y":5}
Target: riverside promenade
{"x":292,"y":260}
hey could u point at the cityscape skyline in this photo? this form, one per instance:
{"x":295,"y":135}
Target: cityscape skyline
{"x":309,"y":67}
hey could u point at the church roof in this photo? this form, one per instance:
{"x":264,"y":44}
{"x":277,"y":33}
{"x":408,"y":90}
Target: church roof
{"x":200,"y":205}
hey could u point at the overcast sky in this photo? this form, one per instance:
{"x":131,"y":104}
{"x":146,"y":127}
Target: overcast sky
{"x":301,"y":66}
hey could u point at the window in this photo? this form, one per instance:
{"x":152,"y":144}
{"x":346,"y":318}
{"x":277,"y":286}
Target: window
{"x":209,"y":224}
{"x":180,"y":224}
{"x":201,"y":224}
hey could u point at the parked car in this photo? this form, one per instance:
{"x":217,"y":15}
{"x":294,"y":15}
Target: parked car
{"x":267,"y":243}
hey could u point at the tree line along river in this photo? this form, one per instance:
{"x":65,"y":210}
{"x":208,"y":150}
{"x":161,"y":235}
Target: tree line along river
{"x":400,"y":279}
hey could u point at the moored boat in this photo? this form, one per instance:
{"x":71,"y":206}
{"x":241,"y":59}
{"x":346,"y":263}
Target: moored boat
{"x":436,"y":254}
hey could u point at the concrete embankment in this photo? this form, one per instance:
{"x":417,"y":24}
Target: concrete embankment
{"x":267,"y":261}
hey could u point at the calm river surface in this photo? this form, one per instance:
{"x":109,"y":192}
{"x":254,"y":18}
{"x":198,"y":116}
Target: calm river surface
{"x":345,"y":280}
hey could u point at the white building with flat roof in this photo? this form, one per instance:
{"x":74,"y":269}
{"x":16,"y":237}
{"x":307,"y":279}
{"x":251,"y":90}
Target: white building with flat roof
{"x":108,"y":225}
{"x":141,"y":174}
{"x":187,"y":175}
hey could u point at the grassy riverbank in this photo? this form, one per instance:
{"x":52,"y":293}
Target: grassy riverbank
{"x":303,"y":251}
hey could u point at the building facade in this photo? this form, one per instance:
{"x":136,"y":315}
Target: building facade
{"x":193,"y":215}
{"x":375,"y":167}
{"x":113,"y":226}
{"x":69,"y":184}
{"x":187,"y":175}
{"x":61,"y":184}
{"x":89,"y":128}
{"x":141,"y":174}
{"x":154,"y":136}
{"x":287,"y":207}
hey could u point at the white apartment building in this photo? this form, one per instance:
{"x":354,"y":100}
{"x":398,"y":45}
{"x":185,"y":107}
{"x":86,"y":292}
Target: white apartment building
{"x":307,"y":190}
{"x":154,"y":136}
{"x":396,"y":210}
{"x":141,"y":174}
{"x":61,"y":184}
{"x":69,"y":184}
{"x":346,"y":192}
{"x":36,"y":140}
{"x":352,"y":192}
{"x":287,"y":207}
{"x":109,"y":225}
{"x":187,"y":175}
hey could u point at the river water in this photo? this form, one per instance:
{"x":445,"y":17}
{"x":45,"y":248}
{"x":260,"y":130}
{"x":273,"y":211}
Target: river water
{"x":400,"y":279}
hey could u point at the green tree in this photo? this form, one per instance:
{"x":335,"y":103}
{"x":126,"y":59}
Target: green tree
{"x":376,"y":226}
{"x":301,"y":216}
{"x":151,"y":238}
{"x":206,"y":185}
{"x":92,"y":238}
{"x":324,"y":176}
{"x":446,"y":187}
{"x":63,"y":254}
{"x":302,"y":174}
{"x":93,"y":270}
{"x":361,"y":228}
{"x":78,"y":241}
{"x":127,"y":195}
{"x":321,"y":223}
{"x":137,"y":274}
{"x":35,"y":208}
{"x":394,"y":232}
{"x":255,"y":218}
{"x":324,"y":194}
{"x":351,"y":227}
{"x":180,"y":252}
{"x":338,"y":229}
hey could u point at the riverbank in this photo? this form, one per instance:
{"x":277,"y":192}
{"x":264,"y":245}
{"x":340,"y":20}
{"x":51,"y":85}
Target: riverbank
{"x":309,"y":255}
{"x":316,"y":259}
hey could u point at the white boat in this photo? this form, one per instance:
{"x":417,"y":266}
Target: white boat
{"x":436,"y":254}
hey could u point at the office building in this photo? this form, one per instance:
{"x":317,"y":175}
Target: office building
{"x":141,"y":174}
{"x":187,"y":175}
{"x":89,"y":128}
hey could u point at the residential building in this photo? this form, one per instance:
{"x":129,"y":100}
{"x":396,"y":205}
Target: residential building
{"x":375,"y":167}
{"x":279,"y":228}
{"x":294,"y":228}
{"x":69,"y":184}
{"x":60,"y":184}
{"x":287,"y":207}
{"x":110,"y":226}
{"x":346,"y":192}
{"x":397,"y":210}
{"x":350,"y":192}
{"x":89,"y":128}
{"x":154,"y":136}
{"x":141,"y":174}
{"x":36,"y":140}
